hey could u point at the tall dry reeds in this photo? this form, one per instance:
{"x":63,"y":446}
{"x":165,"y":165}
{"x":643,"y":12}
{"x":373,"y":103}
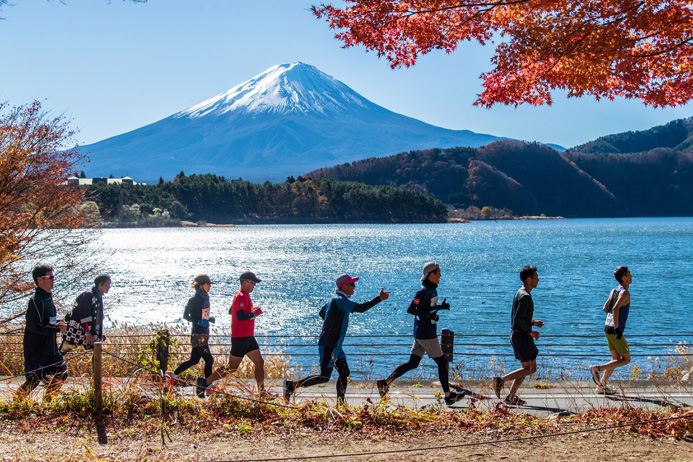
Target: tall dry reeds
{"x":131,"y":350}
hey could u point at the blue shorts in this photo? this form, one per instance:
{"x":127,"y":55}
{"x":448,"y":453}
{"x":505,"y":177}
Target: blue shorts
{"x":44,"y":369}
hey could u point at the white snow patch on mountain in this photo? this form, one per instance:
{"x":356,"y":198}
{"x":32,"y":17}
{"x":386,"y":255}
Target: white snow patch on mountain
{"x":285,"y":88}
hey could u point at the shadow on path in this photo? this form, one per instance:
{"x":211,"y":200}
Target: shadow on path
{"x":625,"y":398}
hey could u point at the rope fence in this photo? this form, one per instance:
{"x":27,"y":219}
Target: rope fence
{"x":454,"y":345}
{"x":448,"y":344}
{"x":471,"y":356}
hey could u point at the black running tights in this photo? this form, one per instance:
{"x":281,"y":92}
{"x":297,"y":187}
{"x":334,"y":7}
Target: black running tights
{"x":196,"y":354}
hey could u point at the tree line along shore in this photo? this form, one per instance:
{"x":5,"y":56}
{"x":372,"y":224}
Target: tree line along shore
{"x":214,"y":199}
{"x":211,"y":200}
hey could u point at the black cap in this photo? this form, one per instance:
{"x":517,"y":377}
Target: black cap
{"x":203,"y":279}
{"x":250,"y":276}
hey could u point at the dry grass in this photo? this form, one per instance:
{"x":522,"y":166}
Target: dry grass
{"x":137,"y":406}
{"x":131,"y":350}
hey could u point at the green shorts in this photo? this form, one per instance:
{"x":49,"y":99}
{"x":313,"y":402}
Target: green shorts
{"x":619,"y":346}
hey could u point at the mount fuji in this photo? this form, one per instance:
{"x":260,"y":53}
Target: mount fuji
{"x":289,"y":120}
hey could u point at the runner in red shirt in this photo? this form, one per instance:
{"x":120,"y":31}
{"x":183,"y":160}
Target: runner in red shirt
{"x":243,"y":342}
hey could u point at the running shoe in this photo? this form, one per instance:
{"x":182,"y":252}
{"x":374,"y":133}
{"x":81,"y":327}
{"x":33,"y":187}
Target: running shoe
{"x":382,"y":387}
{"x":605,"y":390}
{"x":171,"y":378}
{"x":594,"y":370}
{"x":454,"y":397}
{"x":201,"y":387}
{"x":210,"y":389}
{"x":497,"y":386}
{"x":514,"y":400}
{"x":288,"y":389}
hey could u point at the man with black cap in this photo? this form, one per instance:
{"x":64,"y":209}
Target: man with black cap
{"x":425,"y":309}
{"x":243,"y":342}
{"x":336,"y":315}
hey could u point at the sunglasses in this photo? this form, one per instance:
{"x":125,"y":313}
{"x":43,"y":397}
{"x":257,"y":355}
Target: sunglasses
{"x":51,"y":277}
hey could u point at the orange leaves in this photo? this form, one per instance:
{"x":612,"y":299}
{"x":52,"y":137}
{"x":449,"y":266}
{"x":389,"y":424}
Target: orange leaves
{"x":675,"y":423}
{"x":33,"y":197}
{"x":604,"y":48}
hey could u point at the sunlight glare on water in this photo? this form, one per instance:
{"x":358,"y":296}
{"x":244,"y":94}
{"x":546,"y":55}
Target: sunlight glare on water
{"x":152,"y":270}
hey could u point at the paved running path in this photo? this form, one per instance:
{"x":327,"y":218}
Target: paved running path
{"x":558,"y":397}
{"x":543,"y":398}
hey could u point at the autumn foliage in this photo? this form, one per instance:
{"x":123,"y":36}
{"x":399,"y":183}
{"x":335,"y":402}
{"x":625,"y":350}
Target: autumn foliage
{"x":605,"y":48}
{"x":33,"y":194}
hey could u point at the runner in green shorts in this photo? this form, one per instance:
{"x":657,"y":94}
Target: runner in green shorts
{"x":616,"y":309}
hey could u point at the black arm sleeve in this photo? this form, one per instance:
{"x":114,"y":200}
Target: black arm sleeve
{"x":363,"y":307}
{"x":192,"y":311}
{"x":243,"y":316}
{"x":413,"y":309}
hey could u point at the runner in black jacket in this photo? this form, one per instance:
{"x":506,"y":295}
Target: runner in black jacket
{"x":197,"y":312}
{"x":42,"y":359}
{"x":425,"y":308}
{"x":86,"y":317}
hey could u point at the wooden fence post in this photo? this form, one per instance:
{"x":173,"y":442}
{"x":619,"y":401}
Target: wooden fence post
{"x":163,"y":342}
{"x":98,"y":379}
{"x":98,"y":394}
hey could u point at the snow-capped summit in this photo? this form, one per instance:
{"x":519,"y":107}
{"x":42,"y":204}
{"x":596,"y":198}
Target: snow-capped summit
{"x":289,"y":120}
{"x":286,"y":88}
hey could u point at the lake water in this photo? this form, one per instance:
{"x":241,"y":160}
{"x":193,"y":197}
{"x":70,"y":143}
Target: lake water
{"x":152,"y":270}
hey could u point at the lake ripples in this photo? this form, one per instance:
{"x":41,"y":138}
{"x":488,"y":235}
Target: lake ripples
{"x":152,"y":270}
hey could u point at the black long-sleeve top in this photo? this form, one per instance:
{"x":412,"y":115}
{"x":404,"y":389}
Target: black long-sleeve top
{"x":41,"y":330}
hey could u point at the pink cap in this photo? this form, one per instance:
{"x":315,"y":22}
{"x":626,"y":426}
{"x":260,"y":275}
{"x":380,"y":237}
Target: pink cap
{"x":346,"y":279}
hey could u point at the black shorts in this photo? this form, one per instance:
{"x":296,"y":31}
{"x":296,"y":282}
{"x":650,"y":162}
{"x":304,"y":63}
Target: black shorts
{"x":523,"y":345}
{"x":241,"y":346}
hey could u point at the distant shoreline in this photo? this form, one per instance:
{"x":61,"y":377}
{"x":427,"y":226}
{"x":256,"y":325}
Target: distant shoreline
{"x":526,"y":217}
{"x":191,"y":224}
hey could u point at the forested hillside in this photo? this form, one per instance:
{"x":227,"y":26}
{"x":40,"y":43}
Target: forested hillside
{"x":212,"y":198}
{"x":658,"y":182}
{"x":527,"y":178}
{"x":675,"y":135}
{"x":647,"y":173}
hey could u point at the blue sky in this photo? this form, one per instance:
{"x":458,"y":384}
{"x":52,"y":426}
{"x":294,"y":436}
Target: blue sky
{"x":113,"y":67}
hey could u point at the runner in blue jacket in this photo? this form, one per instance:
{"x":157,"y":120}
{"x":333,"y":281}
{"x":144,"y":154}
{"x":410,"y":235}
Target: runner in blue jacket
{"x":336,"y":315}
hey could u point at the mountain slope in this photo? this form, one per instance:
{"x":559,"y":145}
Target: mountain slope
{"x":527,"y":178}
{"x":651,"y":171}
{"x":677,"y":134}
{"x":290,"y":119}
{"x":599,"y":178}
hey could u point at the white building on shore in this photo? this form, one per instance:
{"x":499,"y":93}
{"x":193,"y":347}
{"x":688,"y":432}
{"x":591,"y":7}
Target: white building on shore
{"x":89,"y":181}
